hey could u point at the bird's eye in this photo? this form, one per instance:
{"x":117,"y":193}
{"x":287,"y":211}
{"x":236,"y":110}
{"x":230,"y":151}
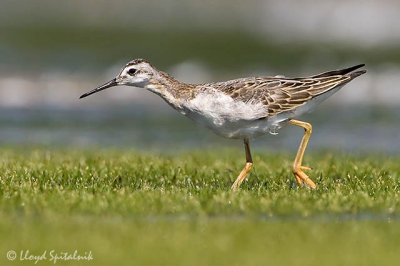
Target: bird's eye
{"x":131,"y":71}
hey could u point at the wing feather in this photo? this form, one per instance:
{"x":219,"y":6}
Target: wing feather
{"x":285,"y":94}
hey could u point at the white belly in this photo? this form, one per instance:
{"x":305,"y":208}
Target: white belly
{"x":244,"y":128}
{"x":227,"y":117}
{"x":236,"y":119}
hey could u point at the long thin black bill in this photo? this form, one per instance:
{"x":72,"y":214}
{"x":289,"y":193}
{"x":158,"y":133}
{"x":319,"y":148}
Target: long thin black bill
{"x":109,"y":84}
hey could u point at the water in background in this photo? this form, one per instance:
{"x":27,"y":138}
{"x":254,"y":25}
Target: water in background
{"x":52,"y":54}
{"x":164,"y":130}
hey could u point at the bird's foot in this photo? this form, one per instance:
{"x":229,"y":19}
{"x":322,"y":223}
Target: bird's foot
{"x":302,"y":177}
{"x":241,"y":176}
{"x":234,"y":186}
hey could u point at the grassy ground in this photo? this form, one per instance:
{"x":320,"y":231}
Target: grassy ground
{"x":142,"y":209}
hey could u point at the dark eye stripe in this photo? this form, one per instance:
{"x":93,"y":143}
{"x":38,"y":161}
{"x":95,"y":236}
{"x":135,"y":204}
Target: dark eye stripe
{"x":132,"y":71}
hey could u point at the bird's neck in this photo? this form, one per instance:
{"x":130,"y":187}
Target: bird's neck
{"x":170,"y":89}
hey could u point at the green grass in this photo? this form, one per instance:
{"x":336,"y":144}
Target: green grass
{"x":143,"y":209}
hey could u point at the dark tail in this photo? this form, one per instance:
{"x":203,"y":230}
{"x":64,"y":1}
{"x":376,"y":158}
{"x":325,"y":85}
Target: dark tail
{"x":357,"y":73}
{"x":343,"y":72}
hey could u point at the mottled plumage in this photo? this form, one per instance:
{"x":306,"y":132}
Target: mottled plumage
{"x":241,"y":108}
{"x":285,"y":94}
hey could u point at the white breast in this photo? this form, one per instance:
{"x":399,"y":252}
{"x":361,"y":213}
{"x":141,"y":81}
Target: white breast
{"x":227,"y":116}
{"x":236,"y":119}
{"x":221,"y":108}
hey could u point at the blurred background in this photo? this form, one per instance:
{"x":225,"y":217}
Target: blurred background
{"x":53,"y":51}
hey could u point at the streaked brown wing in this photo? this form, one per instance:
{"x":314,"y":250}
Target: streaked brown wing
{"x":290,"y":94}
{"x":285,"y":94}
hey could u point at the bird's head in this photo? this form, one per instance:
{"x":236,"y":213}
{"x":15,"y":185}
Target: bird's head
{"x":138,"y":73}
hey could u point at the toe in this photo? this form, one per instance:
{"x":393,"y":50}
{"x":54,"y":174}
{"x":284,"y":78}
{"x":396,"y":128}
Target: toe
{"x":306,"y":180}
{"x":298,"y":179}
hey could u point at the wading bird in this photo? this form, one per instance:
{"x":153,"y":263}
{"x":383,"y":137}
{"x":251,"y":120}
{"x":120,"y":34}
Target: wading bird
{"x":242,"y":108}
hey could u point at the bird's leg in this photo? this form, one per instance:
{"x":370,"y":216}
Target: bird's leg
{"x":297,"y":167}
{"x":247,"y":167}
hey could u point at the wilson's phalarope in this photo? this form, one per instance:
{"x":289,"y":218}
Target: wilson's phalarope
{"x":242,"y":108}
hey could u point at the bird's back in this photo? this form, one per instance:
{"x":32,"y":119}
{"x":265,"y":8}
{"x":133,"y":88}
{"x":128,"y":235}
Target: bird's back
{"x":248,"y":107}
{"x":279,"y":94}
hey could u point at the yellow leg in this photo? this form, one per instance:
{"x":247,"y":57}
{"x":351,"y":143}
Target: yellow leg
{"x":297,"y":167}
{"x":247,"y":167}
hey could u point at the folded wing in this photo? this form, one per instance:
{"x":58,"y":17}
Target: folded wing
{"x":285,"y":94}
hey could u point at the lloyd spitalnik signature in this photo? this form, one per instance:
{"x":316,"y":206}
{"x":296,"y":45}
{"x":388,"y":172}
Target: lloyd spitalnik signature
{"x":52,"y":256}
